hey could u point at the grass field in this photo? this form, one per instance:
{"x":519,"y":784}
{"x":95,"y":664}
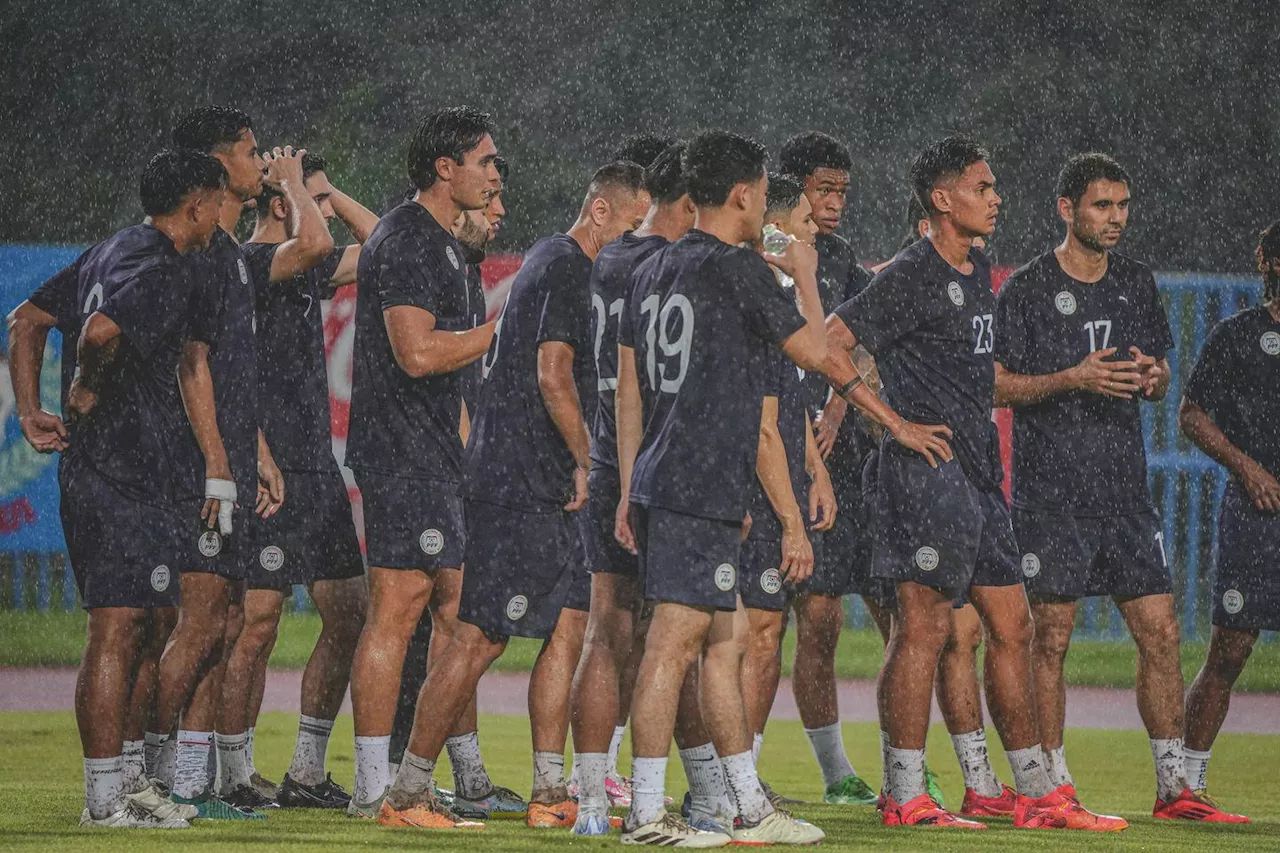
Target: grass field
{"x":30,"y":638}
{"x":40,"y":797}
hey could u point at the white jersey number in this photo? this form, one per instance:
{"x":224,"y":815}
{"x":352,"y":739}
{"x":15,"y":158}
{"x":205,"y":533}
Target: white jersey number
{"x":983,"y":333}
{"x":604,"y":383}
{"x":667,"y":378}
{"x":1099,"y":334}
{"x":93,"y":301}
{"x":491,"y":357}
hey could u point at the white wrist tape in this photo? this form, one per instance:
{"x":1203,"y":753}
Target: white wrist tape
{"x":223,"y":491}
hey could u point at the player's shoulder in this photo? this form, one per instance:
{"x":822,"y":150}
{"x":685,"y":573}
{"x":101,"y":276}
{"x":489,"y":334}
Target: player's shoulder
{"x":1034,"y":273}
{"x":835,"y":246}
{"x":1244,"y":321}
{"x":911,"y":262}
{"x":407,"y":227}
{"x":1127,"y":268}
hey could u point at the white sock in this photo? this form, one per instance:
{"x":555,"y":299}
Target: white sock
{"x":648,"y":790}
{"x":151,"y":744}
{"x":470,"y":778}
{"x":103,"y":785}
{"x":975,"y":763}
{"x":904,"y":779}
{"x":167,"y":760}
{"x":191,"y":773}
{"x":211,"y":767}
{"x":1197,"y":767}
{"x":591,"y":768}
{"x":1030,"y":777}
{"x":828,"y":748}
{"x":1056,"y":764}
{"x":548,"y":771}
{"x":413,"y":779}
{"x":309,"y":750}
{"x":248,"y":751}
{"x":884,"y":761}
{"x":372,"y":774}
{"x":614,"y":745}
{"x":757,"y":741}
{"x":744,"y":787}
{"x":135,"y":771}
{"x":708,"y":790}
{"x":1171,"y":767}
{"x":233,"y":766}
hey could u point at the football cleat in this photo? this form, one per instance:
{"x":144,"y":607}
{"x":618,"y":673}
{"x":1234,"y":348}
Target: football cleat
{"x":499,"y":800}
{"x":130,"y":815}
{"x":1195,"y":805}
{"x":976,"y":805}
{"x":619,"y":790}
{"x":932,"y":788}
{"x":670,"y":830}
{"x":552,"y":815}
{"x":248,"y":798}
{"x":211,"y":807}
{"x":365,"y":810}
{"x":1056,"y":810}
{"x":778,"y":827}
{"x":263,"y":785}
{"x":922,"y":811}
{"x":326,"y":795}
{"x":849,"y":791}
{"x":150,"y":798}
{"x":591,"y":824}
{"x":778,"y":801}
{"x":428,"y":814}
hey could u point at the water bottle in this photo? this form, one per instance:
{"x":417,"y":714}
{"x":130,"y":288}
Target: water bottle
{"x":775,"y":240}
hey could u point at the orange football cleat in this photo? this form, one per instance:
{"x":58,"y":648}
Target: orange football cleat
{"x":1194,"y":805}
{"x":429,"y":815}
{"x":923,"y":811}
{"x":553,"y":815}
{"x":976,"y":805}
{"x":1057,"y":810}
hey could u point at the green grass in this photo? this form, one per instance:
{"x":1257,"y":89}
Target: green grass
{"x":29,"y":638}
{"x":40,"y":797}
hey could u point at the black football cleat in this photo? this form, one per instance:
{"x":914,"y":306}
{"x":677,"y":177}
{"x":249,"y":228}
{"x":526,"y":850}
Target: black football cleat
{"x":248,"y":799}
{"x":326,"y":795}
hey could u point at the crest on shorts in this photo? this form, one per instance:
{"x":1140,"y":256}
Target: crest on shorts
{"x":244,"y":272}
{"x":1270,"y":343}
{"x":452,"y":255}
{"x":771,"y":581}
{"x":1065,"y":302}
{"x":210,"y":543}
{"x":955,"y":293}
{"x":160,"y":578}
{"x":726,"y":577}
{"x":271,"y":558}
{"x":1232,"y":601}
{"x":1030,"y":565}
{"x":927,"y":558}
{"x":431,"y":541}
{"x":517,"y":607}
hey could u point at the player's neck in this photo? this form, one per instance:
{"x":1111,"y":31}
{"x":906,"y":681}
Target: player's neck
{"x":269,"y":231}
{"x":229,"y":213}
{"x":1081,"y":262}
{"x":951,"y":244}
{"x":439,"y":202}
{"x":585,"y":236}
{"x":663,"y":220}
{"x":720,"y":223}
{"x":171,"y":229}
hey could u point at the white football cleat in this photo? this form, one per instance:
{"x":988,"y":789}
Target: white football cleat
{"x":670,"y":830}
{"x":781,"y":827}
{"x":130,"y":815}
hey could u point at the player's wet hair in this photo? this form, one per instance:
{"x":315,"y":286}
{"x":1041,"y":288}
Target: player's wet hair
{"x":915,"y":212}
{"x":1081,"y":170}
{"x":171,"y":175}
{"x":311,"y":163}
{"x":946,"y":158}
{"x":804,"y":152}
{"x":664,"y":178}
{"x":717,"y":161}
{"x":643,"y":148}
{"x":785,"y":192}
{"x":1269,"y":245}
{"x":450,"y":132}
{"x":209,"y":128}
{"x":620,"y":175}
{"x":503,"y":167}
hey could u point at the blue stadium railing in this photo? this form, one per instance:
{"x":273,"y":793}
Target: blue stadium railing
{"x":1186,"y":485}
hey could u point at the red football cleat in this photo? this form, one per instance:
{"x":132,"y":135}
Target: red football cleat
{"x":1194,"y":805}
{"x":976,"y":805}
{"x":923,"y":811}
{"x":1056,"y":810}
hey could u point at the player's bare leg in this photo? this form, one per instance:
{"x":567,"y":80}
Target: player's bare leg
{"x":142,"y":696}
{"x":1054,"y":623}
{"x":550,"y":686}
{"x":245,"y":668}
{"x":1153,"y":622}
{"x":1210,"y":696}
{"x":761,"y":666}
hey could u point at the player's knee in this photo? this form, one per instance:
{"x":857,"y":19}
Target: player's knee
{"x":1050,"y":639}
{"x":1016,"y":630}
{"x":1228,"y":654}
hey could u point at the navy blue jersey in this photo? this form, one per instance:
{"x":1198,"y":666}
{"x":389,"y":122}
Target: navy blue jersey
{"x":701,"y":316}
{"x":471,"y":374}
{"x":1235,"y":381}
{"x":1078,"y":453}
{"x":931,"y":330}
{"x":56,"y":296}
{"x":403,"y":426}
{"x":516,"y":456}
{"x":293,"y":382}
{"x":134,"y":435}
{"x":610,"y":283}
{"x":788,"y":387}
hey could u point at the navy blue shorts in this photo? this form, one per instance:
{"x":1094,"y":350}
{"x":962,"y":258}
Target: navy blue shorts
{"x":311,"y":538}
{"x":124,"y":553}
{"x":1246,"y":586}
{"x":687,"y":559}
{"x":208,"y":551}
{"x":845,"y":567}
{"x":760,"y":584}
{"x":933,"y":526}
{"x":519,"y":569}
{"x":596,"y":519}
{"x":411,"y":523}
{"x":1071,"y":557}
{"x":578,"y":590}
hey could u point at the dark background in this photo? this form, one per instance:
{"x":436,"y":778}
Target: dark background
{"x":1184,"y":94}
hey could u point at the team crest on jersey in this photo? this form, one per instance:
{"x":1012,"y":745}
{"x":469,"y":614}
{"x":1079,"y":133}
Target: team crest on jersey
{"x":431,"y":541}
{"x":1271,"y":343}
{"x":1030,"y":565}
{"x":244,"y":271}
{"x":927,"y":558}
{"x":517,"y":607}
{"x":726,"y":577}
{"x":956,"y":293}
{"x":453,"y":257}
{"x":210,"y":543}
{"x":160,"y":578}
{"x":1065,"y":302}
{"x":271,"y":558}
{"x":1232,"y":601}
{"x":771,"y":581}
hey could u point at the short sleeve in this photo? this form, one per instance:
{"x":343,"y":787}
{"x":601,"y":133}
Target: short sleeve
{"x":258,"y":257}
{"x":1010,"y":327}
{"x":566,"y":316}
{"x":205,"y":301}
{"x":1209,"y":385}
{"x":151,"y":306}
{"x":857,"y":281}
{"x":57,"y":297}
{"x":1158,"y":338}
{"x":769,"y":311}
{"x":321,"y":276}
{"x":626,"y":330}
{"x":410,"y":273}
{"x":894,"y":304}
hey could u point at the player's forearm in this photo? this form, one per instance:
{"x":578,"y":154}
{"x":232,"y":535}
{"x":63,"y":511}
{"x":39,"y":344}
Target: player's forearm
{"x":28,"y":333}
{"x":437,"y":352}
{"x":99,"y":343}
{"x":809,"y":349}
{"x":560,"y":396}
{"x":771,"y":469}
{"x":195,"y":383}
{"x":813,"y":463}
{"x":1200,"y":429}
{"x":1019,"y":389}
{"x":628,"y":416}
{"x":309,"y":237}
{"x":360,"y":220}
